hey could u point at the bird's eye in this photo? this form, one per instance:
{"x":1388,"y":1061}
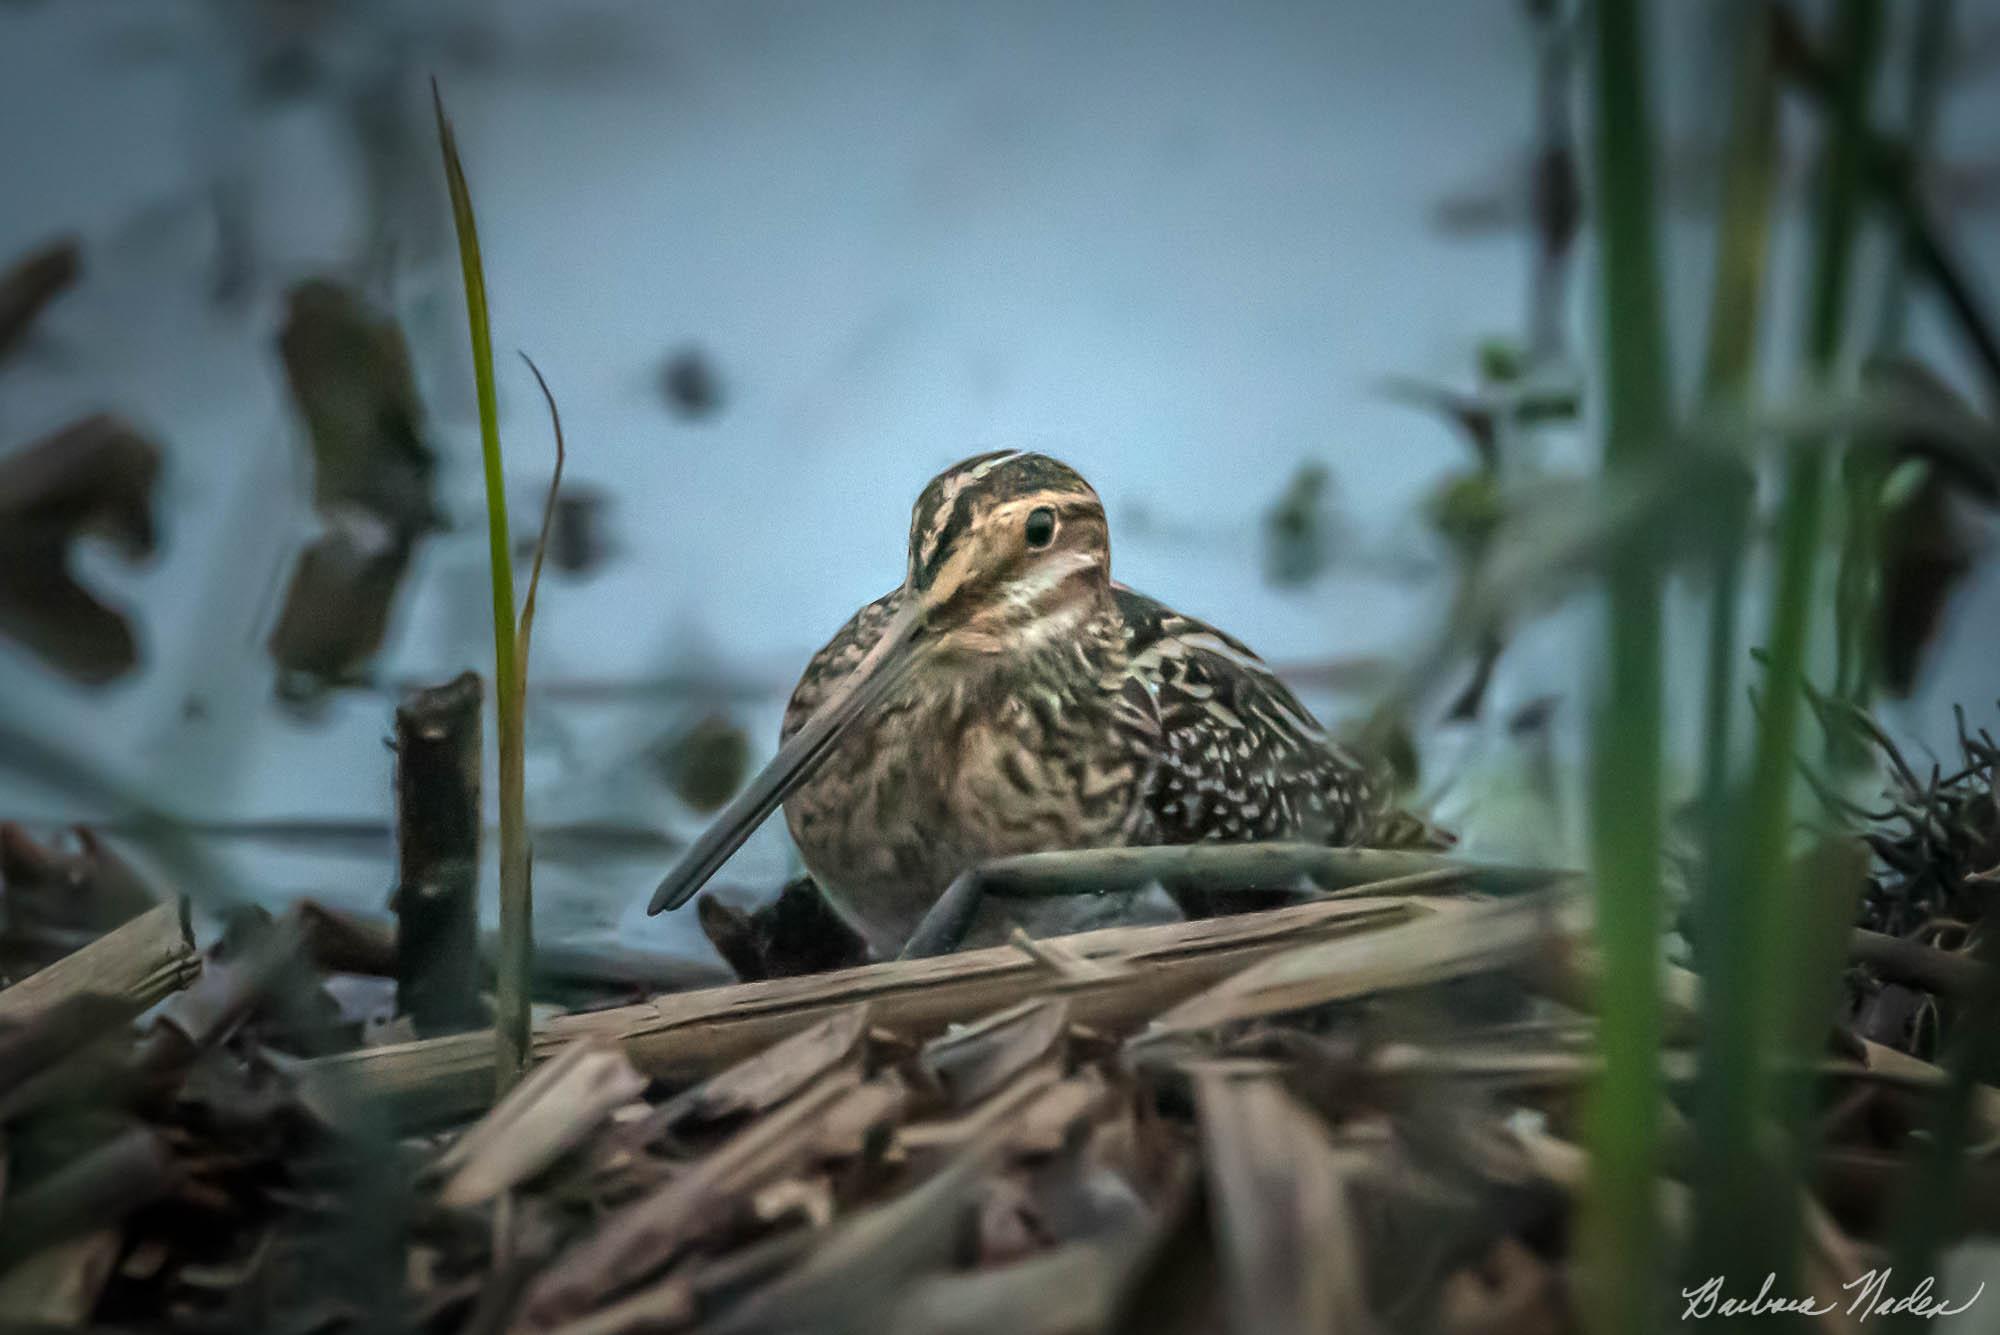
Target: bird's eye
{"x":1041,"y":526}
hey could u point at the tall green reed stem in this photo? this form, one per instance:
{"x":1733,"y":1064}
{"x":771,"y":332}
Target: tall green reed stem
{"x":1857,"y":600}
{"x":516,"y":953}
{"x":1621,"y":1232}
{"x":1929,"y":1210}
{"x":1727,"y":936}
{"x":1770,"y":975}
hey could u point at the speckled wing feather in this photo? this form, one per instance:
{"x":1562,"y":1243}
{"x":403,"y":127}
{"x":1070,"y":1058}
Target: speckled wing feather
{"x":1237,"y":756}
{"x":831,"y":665}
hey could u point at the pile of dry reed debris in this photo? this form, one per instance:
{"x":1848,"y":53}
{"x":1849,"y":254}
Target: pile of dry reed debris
{"x":1357,"y":1110}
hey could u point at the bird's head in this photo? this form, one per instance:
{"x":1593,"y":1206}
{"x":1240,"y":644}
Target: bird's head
{"x":1006,"y":550}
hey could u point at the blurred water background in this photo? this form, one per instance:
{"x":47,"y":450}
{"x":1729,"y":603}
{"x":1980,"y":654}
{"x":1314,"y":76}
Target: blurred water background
{"x":780,"y":263}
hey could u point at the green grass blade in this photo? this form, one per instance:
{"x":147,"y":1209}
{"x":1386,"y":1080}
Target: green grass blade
{"x":548,"y":524}
{"x":1752,"y":1203}
{"x":1858,"y":599}
{"x":1727,"y":919}
{"x":516,"y":954}
{"x":1621,"y":1235}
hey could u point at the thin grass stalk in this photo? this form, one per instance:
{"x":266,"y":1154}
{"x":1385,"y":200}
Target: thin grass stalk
{"x":1727,"y":926}
{"x":1930,"y":1211}
{"x":1866,"y":472}
{"x":1922,"y":98}
{"x":1824,"y":893}
{"x":1621,"y":1234}
{"x":516,"y":951}
{"x":1759,"y":1213}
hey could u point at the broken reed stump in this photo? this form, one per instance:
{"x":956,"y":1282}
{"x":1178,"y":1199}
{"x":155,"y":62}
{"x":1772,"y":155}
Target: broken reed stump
{"x":438,"y":743}
{"x":50,"y":1014}
{"x":689,"y":1035}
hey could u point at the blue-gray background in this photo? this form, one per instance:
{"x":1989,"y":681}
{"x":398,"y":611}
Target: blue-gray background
{"x":1179,"y":245}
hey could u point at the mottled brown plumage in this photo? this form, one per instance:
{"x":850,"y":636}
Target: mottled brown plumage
{"x":1010,"y":698}
{"x":1055,"y":709}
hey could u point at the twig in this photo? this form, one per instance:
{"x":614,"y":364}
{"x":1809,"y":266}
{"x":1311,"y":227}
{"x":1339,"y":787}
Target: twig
{"x":121,"y":974}
{"x":550,"y":1112}
{"x":438,"y":747}
{"x":689,"y":1035}
{"x":1275,"y":868}
{"x":99,"y":1187}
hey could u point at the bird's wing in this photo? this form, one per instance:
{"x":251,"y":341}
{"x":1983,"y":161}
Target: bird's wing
{"x":830,"y":666}
{"x":1238,"y":757}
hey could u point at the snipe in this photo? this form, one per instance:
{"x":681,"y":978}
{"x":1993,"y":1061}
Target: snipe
{"x":1011,"y":697}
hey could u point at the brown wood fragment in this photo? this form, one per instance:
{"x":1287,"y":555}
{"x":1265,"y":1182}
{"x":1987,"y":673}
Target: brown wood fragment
{"x":58,"y":1286}
{"x":1279,"y":1189}
{"x":849,"y":1283}
{"x":970,"y":1061}
{"x":552,"y":1111}
{"x":1982,"y":1110}
{"x":861,"y":1124}
{"x":1053,"y":956}
{"x":236,"y":978}
{"x":59,"y":900}
{"x":773,"y":1075}
{"x":643,"y":1237}
{"x":691,"y":1035}
{"x":1457,"y":940}
{"x":1175,"y":1287}
{"x":1059,"y":1118}
{"x":667,"y":1305}
{"x":951,"y":1135}
{"x":1512,"y":1292}
{"x":438,"y":824}
{"x":1949,"y":973}
{"x":341,"y":941}
{"x":105,"y":984}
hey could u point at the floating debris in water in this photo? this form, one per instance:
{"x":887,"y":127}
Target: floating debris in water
{"x":1299,"y":529}
{"x":28,"y":286}
{"x":94,"y":477}
{"x":690,"y":385}
{"x":704,"y":764}
{"x":349,"y":372}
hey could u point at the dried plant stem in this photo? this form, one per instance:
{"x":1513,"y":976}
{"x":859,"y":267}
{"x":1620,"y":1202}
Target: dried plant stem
{"x":123,"y":972}
{"x":1621,"y":1233}
{"x":689,"y":1035}
{"x":437,"y":847}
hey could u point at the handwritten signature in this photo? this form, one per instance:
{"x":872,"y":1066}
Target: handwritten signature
{"x":1871,"y":1298}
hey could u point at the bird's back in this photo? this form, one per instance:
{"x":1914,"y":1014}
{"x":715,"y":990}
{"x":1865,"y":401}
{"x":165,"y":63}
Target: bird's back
{"x":1235,"y":755}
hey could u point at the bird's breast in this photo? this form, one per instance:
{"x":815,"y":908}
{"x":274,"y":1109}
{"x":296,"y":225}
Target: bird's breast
{"x":947,"y":775}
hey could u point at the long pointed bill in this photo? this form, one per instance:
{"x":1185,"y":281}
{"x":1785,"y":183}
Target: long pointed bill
{"x":884,"y":667}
